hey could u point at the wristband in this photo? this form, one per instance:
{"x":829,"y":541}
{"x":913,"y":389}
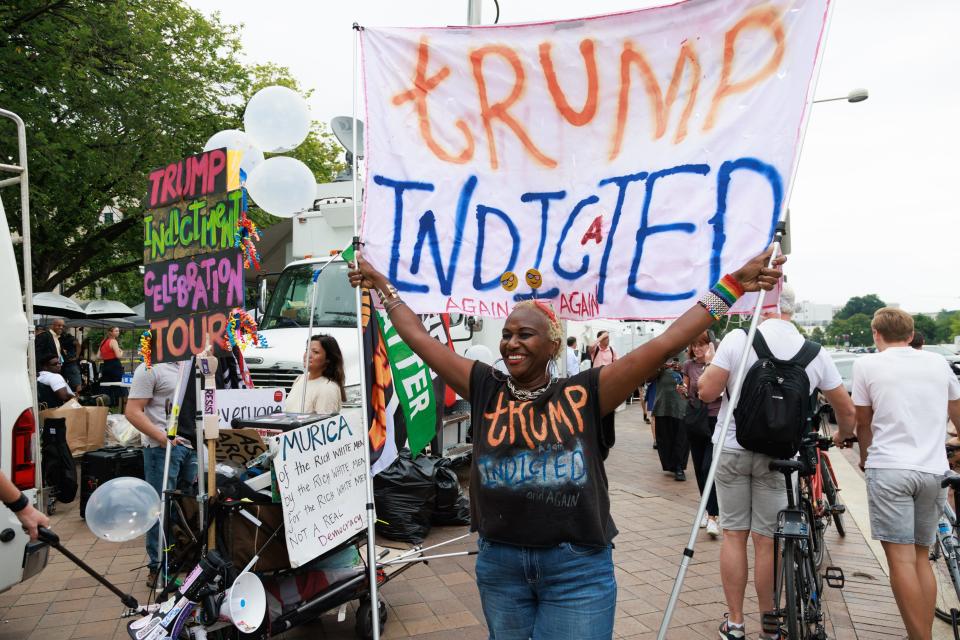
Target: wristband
{"x":721,"y":296}
{"x":19,"y":504}
{"x":390,"y":295}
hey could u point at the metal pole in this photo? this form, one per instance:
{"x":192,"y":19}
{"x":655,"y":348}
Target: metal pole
{"x":371,"y":511}
{"x":732,"y":399}
{"x":24,"y":180}
{"x":474,"y":10}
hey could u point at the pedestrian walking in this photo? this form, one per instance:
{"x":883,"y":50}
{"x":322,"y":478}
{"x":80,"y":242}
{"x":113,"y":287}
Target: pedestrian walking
{"x":903,"y":397}
{"x":700,"y":421}
{"x":545,"y":563}
{"x":601,"y":353}
{"x":749,"y":493}
{"x":573,"y":357}
{"x":669,"y":407}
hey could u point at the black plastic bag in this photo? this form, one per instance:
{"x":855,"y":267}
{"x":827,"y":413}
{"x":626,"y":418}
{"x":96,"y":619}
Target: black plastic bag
{"x":404,"y":494}
{"x":452,"y":507}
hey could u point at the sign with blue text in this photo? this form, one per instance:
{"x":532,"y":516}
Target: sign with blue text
{"x":628,"y":160}
{"x":321,"y":475}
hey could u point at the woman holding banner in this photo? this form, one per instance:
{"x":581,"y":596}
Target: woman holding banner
{"x":538,"y":484}
{"x":320,"y":389}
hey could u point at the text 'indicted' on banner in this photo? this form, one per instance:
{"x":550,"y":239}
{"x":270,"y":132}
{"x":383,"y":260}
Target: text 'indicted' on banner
{"x":631,"y":159}
{"x":193,"y":273}
{"x":321,"y":475}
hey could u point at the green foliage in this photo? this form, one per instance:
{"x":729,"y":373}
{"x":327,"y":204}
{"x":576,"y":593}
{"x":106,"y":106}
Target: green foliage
{"x":110,"y":90}
{"x":817,"y":335}
{"x":928,"y":327}
{"x":854,"y":330}
{"x":866,"y":305}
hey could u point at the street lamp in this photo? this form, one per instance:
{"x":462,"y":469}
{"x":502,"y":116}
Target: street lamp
{"x":856,"y":95}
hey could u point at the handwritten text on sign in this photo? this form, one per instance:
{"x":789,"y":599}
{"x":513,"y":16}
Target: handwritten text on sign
{"x":200,"y":284}
{"x":321,"y":474}
{"x":632,"y":159}
{"x":197,"y":226}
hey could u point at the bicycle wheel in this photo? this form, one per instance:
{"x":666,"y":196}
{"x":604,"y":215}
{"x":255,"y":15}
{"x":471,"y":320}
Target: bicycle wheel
{"x":790,"y":608}
{"x":830,"y":491}
{"x":817,"y":527}
{"x":946,"y":570}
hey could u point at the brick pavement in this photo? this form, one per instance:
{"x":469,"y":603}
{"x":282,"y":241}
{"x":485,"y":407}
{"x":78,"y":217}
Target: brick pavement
{"x":440,"y":600}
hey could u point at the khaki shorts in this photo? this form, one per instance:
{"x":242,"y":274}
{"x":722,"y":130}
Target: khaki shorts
{"x":905,"y":505}
{"x":751,"y":496}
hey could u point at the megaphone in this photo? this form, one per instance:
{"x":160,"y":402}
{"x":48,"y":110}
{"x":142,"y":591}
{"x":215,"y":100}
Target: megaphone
{"x":244,"y":603}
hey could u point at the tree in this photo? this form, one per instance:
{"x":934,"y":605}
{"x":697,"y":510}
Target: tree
{"x":110,"y":90}
{"x":927,"y":326}
{"x":866,"y":305}
{"x":817,"y":335}
{"x":854,"y":330}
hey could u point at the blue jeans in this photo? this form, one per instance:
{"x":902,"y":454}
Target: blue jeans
{"x":567,"y":591}
{"x":183,"y":472}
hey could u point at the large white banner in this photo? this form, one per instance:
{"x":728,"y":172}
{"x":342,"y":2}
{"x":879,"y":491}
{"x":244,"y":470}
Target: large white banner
{"x":630,"y":159}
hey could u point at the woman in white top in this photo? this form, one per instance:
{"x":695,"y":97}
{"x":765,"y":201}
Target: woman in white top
{"x":323,"y":380}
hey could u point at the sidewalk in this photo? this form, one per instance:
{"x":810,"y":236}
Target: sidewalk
{"x":440,"y":600}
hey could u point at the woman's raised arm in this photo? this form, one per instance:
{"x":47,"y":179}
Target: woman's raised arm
{"x":619,"y":380}
{"x":453,"y":368}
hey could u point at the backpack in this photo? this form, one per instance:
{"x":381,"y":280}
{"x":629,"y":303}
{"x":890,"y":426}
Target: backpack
{"x":774,"y":410}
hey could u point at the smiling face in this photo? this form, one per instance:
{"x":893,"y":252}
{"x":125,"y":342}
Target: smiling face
{"x":526,"y":346}
{"x":318,"y":358}
{"x":57,"y":326}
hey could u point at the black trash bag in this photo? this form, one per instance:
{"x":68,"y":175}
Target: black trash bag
{"x":58,"y":467}
{"x":404,"y":494}
{"x":452,"y":507}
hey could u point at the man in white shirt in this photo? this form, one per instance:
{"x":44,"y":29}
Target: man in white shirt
{"x":573,"y":358}
{"x":903,"y":397}
{"x":750,"y":494}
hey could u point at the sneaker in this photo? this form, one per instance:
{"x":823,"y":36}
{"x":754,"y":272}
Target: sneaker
{"x":703,"y":521}
{"x":730,"y":631}
{"x":680,"y":476}
{"x":713,"y":529}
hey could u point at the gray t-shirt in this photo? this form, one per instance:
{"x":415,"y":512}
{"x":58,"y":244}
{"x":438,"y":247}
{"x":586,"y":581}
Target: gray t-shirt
{"x":158,"y":384}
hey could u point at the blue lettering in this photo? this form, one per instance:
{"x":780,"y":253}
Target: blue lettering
{"x":577,"y":472}
{"x":646,"y":230}
{"x":563,"y":273}
{"x":622,"y":182}
{"x":399,"y":187}
{"x":718,"y":220}
{"x":482,"y":212}
{"x":428,"y":233}
{"x":559,"y":468}
{"x":544,"y":199}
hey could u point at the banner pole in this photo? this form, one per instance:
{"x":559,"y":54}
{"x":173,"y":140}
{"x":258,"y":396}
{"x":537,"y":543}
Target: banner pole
{"x":733,"y":398}
{"x":371,"y":511}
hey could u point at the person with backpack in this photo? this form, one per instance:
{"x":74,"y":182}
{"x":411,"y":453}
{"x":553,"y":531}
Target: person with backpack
{"x":784,"y":370}
{"x":601,"y":353}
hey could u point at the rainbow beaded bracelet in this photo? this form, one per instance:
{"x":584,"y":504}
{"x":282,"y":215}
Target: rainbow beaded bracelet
{"x":721,"y":296}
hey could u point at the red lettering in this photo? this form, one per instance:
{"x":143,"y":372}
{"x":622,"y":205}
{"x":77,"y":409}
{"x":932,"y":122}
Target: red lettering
{"x":594,"y":232}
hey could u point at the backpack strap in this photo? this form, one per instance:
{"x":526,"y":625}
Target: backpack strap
{"x":807,"y":353}
{"x":760,"y":346}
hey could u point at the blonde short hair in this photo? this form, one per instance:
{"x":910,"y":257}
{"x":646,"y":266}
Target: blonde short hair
{"x":895,"y":325}
{"x":555,"y":331}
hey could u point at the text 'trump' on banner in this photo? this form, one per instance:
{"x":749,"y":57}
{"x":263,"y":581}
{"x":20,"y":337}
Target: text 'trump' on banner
{"x":632,"y":159}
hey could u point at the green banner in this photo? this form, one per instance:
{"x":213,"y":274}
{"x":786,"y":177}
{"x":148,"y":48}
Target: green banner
{"x":413,"y":383}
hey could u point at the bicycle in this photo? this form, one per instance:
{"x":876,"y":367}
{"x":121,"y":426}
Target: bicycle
{"x":829,"y":486}
{"x":820,"y":490}
{"x":797,"y":582}
{"x":947,"y":550}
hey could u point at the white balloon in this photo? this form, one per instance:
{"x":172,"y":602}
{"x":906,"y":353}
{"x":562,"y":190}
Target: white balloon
{"x":283,"y":186}
{"x":122,"y":509}
{"x":236,"y":140}
{"x":277,"y":119}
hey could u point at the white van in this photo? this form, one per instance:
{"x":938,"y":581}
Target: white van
{"x":19,"y":558}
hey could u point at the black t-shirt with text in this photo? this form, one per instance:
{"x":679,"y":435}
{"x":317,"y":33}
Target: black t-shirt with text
{"x":538,"y":477}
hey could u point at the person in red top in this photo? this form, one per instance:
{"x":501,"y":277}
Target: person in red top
{"x":111,"y":369}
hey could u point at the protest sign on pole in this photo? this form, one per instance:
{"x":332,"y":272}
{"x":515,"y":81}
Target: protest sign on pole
{"x":632,"y":159}
{"x":247,"y":404}
{"x":321,"y":475}
{"x":193,"y":272}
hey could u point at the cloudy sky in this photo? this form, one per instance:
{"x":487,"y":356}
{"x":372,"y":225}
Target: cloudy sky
{"x":870,"y":211}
